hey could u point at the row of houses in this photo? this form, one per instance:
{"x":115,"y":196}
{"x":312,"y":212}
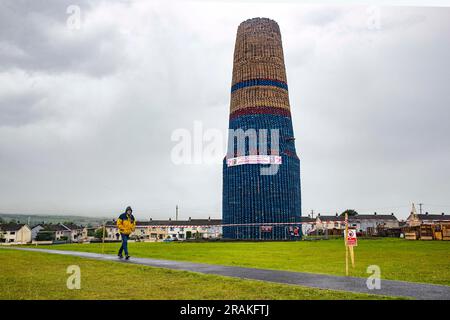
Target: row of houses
{"x":368,"y":224}
{"x":157,"y":230}
{"x":418,"y":226}
{"x":152,"y":230}
{"x":379,"y":224}
{"x":20,"y":233}
{"x":59,"y":232}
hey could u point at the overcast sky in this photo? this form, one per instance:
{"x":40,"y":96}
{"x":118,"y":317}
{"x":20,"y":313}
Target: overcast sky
{"x":86,"y":115}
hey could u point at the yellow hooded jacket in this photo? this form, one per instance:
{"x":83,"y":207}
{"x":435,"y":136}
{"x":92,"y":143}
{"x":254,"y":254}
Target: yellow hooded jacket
{"x":126,"y":223}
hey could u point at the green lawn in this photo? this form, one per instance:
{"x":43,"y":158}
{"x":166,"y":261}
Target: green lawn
{"x":34,"y":275}
{"x":418,"y":261}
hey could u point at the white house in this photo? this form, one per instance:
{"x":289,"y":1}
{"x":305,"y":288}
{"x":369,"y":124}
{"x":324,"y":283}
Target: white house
{"x":111,"y":231}
{"x":415,"y":219}
{"x":13,"y":233}
{"x":370,"y":223}
{"x":330,"y":222}
{"x":308,"y":225}
{"x":195,"y":229}
{"x":88,"y":234}
{"x":76,"y":231}
{"x":55,"y":232}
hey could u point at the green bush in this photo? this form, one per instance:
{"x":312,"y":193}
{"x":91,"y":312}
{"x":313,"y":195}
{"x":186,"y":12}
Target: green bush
{"x":99,"y":233}
{"x":45,"y":236}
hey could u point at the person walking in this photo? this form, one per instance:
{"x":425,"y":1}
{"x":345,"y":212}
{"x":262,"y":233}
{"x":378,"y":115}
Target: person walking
{"x":126,"y":224}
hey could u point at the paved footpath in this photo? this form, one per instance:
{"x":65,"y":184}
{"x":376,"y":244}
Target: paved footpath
{"x":352,"y":284}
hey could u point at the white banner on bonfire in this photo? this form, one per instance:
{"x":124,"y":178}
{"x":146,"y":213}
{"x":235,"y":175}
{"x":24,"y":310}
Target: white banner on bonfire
{"x":254,"y":159}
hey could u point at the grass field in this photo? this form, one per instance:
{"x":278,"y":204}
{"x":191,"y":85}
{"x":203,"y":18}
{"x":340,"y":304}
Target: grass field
{"x":33,"y":275}
{"x":418,"y":261}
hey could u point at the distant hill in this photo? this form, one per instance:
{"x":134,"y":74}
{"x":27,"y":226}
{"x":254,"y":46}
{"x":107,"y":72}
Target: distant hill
{"x":34,"y":219}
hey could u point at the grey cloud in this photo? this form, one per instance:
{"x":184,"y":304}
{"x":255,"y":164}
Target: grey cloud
{"x":87,"y":127}
{"x":35,"y":37}
{"x":18,"y":110}
{"x":323,"y":16}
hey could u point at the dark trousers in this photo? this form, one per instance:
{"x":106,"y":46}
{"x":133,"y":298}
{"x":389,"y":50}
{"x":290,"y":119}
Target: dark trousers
{"x":124,"y":246}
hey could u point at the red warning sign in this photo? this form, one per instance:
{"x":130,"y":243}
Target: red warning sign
{"x":351,"y":238}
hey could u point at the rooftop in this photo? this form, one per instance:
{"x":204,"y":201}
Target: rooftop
{"x":358,"y":217}
{"x":373,"y":217}
{"x":436,"y":217}
{"x":54,"y":227}
{"x":331,"y":218}
{"x":11,"y":226}
{"x":72,"y":226}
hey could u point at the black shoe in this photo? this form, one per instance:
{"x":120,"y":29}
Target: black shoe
{"x":127,"y":258}
{"x":120,"y":256}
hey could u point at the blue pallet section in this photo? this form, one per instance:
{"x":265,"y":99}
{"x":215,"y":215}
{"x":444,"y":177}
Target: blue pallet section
{"x":259,"y":82}
{"x":249,"y":197}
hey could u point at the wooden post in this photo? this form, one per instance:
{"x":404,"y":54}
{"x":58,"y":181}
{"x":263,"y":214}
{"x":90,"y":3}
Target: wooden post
{"x":352,"y":256}
{"x":345,"y":242}
{"x":103,"y":239}
{"x":346,"y":260}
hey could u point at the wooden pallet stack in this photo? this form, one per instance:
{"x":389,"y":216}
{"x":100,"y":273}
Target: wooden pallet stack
{"x":260,"y":101}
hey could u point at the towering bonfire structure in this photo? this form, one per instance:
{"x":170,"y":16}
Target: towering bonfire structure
{"x":261,"y":182}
